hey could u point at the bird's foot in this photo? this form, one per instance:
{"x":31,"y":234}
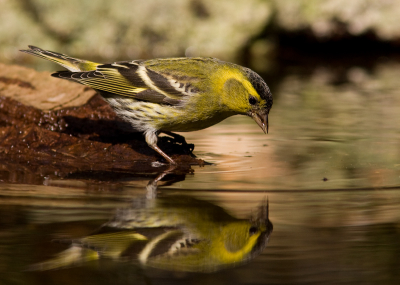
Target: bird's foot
{"x":181,"y":140}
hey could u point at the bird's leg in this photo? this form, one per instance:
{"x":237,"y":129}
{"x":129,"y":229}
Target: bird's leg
{"x":151,"y":188}
{"x":151,"y":139}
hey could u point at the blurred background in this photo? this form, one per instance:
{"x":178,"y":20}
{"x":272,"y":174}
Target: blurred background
{"x":330,"y":165}
{"x":255,"y":32}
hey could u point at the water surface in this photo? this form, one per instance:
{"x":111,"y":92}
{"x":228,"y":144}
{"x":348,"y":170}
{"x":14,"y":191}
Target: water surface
{"x":329,"y":166}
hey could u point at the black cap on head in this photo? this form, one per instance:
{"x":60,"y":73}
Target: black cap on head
{"x":260,"y":86}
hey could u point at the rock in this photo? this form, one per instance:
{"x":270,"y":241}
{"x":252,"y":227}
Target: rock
{"x":40,"y":90}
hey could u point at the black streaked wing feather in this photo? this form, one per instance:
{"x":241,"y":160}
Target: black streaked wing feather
{"x":129,"y":72}
{"x":164,"y":245}
{"x":136,"y":247}
{"x":163,"y":84}
{"x":171,"y":84}
{"x":104,"y":82}
{"x":121,"y":78}
{"x":113,"y":242}
{"x":155,"y":97}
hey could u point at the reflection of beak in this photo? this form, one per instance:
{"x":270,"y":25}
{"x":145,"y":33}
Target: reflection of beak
{"x":262,"y":218}
{"x":261,"y":118}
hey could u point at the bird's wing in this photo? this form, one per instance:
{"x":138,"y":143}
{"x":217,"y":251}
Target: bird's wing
{"x":111,"y":244}
{"x":133,"y":79}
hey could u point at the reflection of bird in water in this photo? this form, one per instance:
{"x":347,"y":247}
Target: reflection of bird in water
{"x":173,"y":233}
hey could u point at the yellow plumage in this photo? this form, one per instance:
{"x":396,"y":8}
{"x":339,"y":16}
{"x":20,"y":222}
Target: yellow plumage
{"x":174,"y":233}
{"x":171,"y":95}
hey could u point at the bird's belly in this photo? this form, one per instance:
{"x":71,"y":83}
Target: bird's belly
{"x":187,"y":123}
{"x":143,"y":116}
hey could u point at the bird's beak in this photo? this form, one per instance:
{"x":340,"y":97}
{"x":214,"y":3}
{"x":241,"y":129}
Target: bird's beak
{"x":261,"y":118}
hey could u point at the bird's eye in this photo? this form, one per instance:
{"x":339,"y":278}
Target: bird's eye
{"x":253,"y":230}
{"x":252,"y":100}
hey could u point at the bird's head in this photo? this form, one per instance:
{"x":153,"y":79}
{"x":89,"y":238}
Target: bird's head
{"x":243,"y":240}
{"x":250,"y":95}
{"x":261,"y":101}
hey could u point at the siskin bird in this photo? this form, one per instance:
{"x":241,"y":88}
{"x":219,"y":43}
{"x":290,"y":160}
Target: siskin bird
{"x":172,"y":94}
{"x":176,"y":234}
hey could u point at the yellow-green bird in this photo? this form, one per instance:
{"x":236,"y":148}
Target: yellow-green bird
{"x":171,"y":233}
{"x":172,"y":94}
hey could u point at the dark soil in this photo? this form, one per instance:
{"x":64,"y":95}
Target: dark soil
{"x":37,"y":145}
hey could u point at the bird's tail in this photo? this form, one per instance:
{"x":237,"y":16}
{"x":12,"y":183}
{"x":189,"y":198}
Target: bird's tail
{"x":93,"y":247}
{"x":70,"y":63}
{"x":75,"y":255}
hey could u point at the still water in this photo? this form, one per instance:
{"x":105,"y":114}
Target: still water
{"x":329,"y":168}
